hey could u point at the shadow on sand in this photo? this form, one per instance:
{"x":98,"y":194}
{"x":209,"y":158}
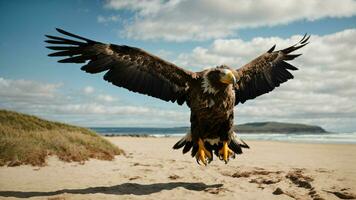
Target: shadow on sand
{"x":122,"y":189}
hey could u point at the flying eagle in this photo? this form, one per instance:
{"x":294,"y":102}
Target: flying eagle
{"x":210,"y":94}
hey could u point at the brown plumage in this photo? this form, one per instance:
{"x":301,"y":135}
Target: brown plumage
{"x":211,"y":94}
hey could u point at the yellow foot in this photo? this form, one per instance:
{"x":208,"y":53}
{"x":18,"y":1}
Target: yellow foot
{"x":203,"y":155}
{"x":225,"y":152}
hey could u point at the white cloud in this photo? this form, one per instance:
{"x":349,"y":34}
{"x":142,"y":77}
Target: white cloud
{"x":143,"y":6}
{"x":84,"y":106}
{"x":180,"y":20}
{"x":27,"y":95}
{"x":233,"y":52}
{"x":107,"y":19}
{"x":88,"y":90}
{"x":25,"y":89}
{"x":106,"y":98}
{"x":323,"y":88}
{"x":96,"y":108}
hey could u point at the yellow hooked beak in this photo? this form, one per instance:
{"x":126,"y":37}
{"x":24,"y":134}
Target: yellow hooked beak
{"x":228,"y":78}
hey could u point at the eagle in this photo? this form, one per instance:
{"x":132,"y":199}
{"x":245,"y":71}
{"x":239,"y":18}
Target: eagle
{"x":211,"y":94}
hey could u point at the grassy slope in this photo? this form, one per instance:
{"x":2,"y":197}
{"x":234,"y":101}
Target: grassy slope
{"x":26,"y":139}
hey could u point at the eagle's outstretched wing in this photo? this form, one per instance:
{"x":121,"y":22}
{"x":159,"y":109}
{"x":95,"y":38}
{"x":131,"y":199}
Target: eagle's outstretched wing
{"x":127,"y":67}
{"x":266,"y":72}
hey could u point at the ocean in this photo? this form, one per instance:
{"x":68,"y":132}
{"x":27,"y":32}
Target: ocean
{"x":336,"y":138}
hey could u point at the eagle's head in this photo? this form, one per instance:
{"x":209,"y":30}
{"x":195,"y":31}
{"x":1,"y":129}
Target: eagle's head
{"x":217,"y":79}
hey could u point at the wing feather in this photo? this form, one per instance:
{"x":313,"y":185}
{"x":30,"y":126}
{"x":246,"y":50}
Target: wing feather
{"x":266,"y":72}
{"x":125,"y":66}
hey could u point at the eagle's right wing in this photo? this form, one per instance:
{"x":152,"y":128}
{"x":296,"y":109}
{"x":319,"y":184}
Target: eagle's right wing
{"x":128,"y":67}
{"x":266,"y":72}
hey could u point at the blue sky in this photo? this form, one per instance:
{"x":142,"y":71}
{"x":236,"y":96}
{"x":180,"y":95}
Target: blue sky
{"x":192,"y":34}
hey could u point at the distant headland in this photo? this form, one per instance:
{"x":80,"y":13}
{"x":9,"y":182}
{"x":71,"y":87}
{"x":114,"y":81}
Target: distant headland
{"x":278,"y":127}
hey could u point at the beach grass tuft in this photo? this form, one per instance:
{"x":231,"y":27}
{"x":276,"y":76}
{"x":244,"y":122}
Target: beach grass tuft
{"x":26,"y":139}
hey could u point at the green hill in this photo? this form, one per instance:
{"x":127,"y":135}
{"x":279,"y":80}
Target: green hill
{"x":26,"y":139}
{"x":277,"y":127}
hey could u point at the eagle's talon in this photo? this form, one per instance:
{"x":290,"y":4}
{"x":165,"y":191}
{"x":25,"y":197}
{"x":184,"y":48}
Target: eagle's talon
{"x":221,"y":157}
{"x":201,"y":157}
{"x":225,"y":153}
{"x":203,"y":154}
{"x":211,"y":158}
{"x":198,"y":161}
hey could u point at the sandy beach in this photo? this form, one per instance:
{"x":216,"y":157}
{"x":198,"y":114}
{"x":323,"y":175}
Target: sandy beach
{"x":151,"y":169}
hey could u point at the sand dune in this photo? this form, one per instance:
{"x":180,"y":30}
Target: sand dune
{"x":152,"y":170}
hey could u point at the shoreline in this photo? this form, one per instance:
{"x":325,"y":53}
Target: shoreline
{"x":329,"y":138}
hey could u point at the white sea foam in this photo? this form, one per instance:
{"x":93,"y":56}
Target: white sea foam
{"x":339,"y":138}
{"x":345,"y":138}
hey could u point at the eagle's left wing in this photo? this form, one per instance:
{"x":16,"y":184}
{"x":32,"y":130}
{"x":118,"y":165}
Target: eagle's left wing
{"x":125,"y":66}
{"x":266,"y":72}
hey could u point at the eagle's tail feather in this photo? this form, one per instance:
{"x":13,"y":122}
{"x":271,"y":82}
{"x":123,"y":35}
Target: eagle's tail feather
{"x":187,"y":147}
{"x":180,"y":143}
{"x":185,"y":142}
{"x":236,"y":145}
{"x":194,"y":150}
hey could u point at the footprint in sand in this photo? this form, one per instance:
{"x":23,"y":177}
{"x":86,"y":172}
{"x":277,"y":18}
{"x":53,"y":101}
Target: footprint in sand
{"x":299,"y":179}
{"x":295,"y":178}
{"x":216,"y":190}
{"x":260,"y":176}
{"x":265,"y":181}
{"x":342,"y":194}
{"x":174,"y":177}
{"x":140,"y":164}
{"x":278,"y":191}
{"x":134,"y":178}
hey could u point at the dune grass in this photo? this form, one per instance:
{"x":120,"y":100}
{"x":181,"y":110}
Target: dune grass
{"x":26,"y":139}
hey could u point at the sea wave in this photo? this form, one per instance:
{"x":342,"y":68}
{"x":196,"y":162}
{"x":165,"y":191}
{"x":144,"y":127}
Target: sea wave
{"x":337,"y":138}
